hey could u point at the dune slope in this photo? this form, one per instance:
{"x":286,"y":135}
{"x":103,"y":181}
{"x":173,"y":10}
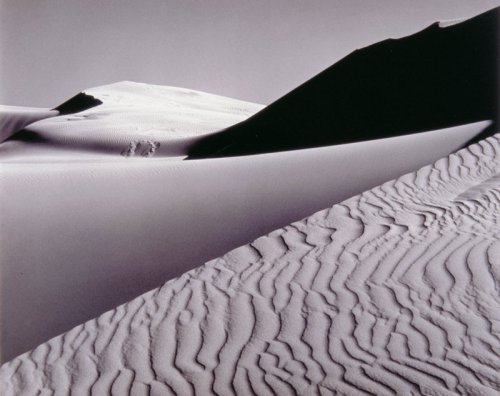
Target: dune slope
{"x":394,"y":291}
{"x":80,"y":238}
{"x":124,"y":120}
{"x":15,"y":118}
{"x":443,"y":76}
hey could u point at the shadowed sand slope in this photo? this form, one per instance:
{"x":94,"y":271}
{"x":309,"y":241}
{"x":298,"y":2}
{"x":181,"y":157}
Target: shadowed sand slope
{"x":394,"y":291}
{"x":445,"y":75}
{"x":15,"y":118}
{"x":127,"y":119}
{"x":81,"y":238}
{"x":78,"y":103}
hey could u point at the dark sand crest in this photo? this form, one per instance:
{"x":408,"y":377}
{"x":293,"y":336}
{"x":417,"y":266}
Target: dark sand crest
{"x":437,"y":78}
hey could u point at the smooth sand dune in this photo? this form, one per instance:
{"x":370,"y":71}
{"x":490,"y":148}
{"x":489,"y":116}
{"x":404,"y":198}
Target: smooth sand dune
{"x":443,"y":76}
{"x":394,"y":291}
{"x":80,"y":238}
{"x":133,"y":120}
{"x":15,"y":118}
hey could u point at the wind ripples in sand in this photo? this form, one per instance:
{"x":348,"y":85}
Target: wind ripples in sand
{"x":394,"y":291}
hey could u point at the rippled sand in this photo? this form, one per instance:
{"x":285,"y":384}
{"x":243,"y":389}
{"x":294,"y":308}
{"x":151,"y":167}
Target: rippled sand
{"x":393,"y":291}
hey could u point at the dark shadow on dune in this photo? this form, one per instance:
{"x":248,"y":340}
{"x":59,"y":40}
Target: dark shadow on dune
{"x":78,"y":103}
{"x":27,"y":136}
{"x":437,"y":78}
{"x":488,"y":131}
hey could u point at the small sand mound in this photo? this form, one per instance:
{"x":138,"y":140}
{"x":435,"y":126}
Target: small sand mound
{"x":108,"y":120}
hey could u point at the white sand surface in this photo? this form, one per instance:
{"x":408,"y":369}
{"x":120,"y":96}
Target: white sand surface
{"x":134,"y":120}
{"x":79,"y":238}
{"x":14,"y":118}
{"x":393,"y":291}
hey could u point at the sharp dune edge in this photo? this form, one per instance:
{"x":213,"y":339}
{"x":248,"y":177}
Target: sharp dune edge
{"x":442,"y":76}
{"x":394,"y":291}
{"x":80,"y":239}
{"x":90,"y":221}
{"x":15,"y":118}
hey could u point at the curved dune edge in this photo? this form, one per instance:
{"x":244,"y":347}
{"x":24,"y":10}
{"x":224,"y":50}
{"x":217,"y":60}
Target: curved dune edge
{"x":83,"y":238}
{"x":392,"y":291}
{"x":15,"y":118}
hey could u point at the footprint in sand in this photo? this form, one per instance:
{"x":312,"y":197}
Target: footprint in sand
{"x":144,"y":148}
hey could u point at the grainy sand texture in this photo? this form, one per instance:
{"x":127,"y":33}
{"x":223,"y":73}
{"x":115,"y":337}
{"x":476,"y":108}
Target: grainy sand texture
{"x":393,"y":291}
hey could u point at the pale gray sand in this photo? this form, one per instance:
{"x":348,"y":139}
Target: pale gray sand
{"x":134,"y":120}
{"x":394,"y":291}
{"x":81,"y":238}
{"x":14,"y":118}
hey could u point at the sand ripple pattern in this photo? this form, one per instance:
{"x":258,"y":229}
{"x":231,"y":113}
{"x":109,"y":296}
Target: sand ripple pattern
{"x":394,"y":291}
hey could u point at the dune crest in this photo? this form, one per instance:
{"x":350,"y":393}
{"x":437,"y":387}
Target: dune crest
{"x":437,"y":78}
{"x":394,"y":291}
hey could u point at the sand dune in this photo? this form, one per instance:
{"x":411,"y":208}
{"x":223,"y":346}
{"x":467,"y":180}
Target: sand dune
{"x":443,"y":76}
{"x":126,"y":119}
{"x":394,"y":291}
{"x":15,"y":118}
{"x":82,"y":237}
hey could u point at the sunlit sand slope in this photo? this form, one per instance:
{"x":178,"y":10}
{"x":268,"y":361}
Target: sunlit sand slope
{"x":81,"y":238}
{"x":132,"y":120}
{"x":394,"y":291}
